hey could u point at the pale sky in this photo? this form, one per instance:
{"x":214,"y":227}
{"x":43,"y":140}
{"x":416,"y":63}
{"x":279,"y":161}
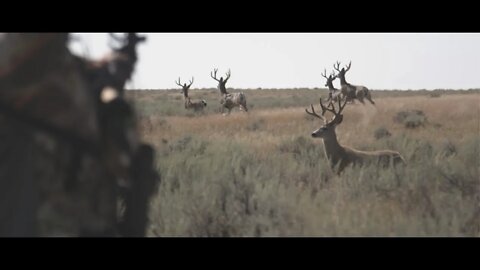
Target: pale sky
{"x":289,"y":60}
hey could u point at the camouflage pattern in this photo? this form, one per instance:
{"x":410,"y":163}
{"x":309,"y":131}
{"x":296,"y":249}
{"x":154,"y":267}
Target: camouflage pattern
{"x":72,"y":163}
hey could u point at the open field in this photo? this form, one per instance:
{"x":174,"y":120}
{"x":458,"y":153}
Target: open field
{"x":261,"y":174}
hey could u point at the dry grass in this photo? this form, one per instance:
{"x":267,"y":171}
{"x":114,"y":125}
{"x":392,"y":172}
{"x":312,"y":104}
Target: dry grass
{"x":260,"y":173}
{"x":450,"y":117}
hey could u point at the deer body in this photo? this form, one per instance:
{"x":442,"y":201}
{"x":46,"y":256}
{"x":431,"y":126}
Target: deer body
{"x":189,"y":104}
{"x":196,"y":106}
{"x":228,"y":100}
{"x":340,"y":156}
{"x":333,"y":93}
{"x":351,"y":91}
{"x":355,"y":92}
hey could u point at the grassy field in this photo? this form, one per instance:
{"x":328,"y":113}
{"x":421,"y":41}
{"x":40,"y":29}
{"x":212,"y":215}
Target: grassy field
{"x":261,"y":174}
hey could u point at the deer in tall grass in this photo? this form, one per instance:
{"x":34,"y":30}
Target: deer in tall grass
{"x":333,"y":93}
{"x":351,"y":91}
{"x":341,"y":156}
{"x":229,"y":101}
{"x":189,"y":104}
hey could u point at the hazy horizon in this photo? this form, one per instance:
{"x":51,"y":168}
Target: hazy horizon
{"x":380,"y":61}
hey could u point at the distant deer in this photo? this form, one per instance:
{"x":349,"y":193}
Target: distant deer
{"x":197,"y":105}
{"x":343,"y":156}
{"x":229,"y":101}
{"x":352,"y":91}
{"x":333,"y":93}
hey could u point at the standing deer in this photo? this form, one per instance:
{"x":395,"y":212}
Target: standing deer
{"x":352,"y":91}
{"x":197,"y":105}
{"x":333,"y":93}
{"x":228,"y":100}
{"x":343,"y":156}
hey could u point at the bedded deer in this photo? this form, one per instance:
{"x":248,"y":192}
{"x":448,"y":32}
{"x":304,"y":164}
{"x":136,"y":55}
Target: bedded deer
{"x":351,"y":91}
{"x":229,"y":101}
{"x":341,"y":156}
{"x":195,"y":105}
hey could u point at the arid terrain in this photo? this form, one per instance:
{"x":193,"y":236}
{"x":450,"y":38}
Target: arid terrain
{"x":261,"y":173}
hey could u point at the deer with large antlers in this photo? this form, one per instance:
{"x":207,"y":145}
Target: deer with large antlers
{"x":333,"y":93}
{"x":350,"y":91}
{"x":229,"y":101}
{"x":341,"y":156}
{"x":189,"y":104}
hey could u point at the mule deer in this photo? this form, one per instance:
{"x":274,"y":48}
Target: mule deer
{"x":196,"y":105}
{"x":343,"y":156}
{"x":229,"y":101}
{"x":333,"y":93}
{"x":350,"y":91}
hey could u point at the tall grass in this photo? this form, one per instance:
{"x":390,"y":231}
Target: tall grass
{"x":261,"y":174}
{"x":227,"y":189}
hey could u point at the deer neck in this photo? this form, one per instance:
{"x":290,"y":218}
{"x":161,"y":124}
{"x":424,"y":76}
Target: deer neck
{"x":333,"y":150}
{"x":343,"y":81}
{"x":330,"y":86}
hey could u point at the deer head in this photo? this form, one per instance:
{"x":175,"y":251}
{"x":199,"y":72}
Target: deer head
{"x":328,"y":128}
{"x":343,"y":71}
{"x":214,"y":76}
{"x":185,"y":87}
{"x":330,"y":78}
